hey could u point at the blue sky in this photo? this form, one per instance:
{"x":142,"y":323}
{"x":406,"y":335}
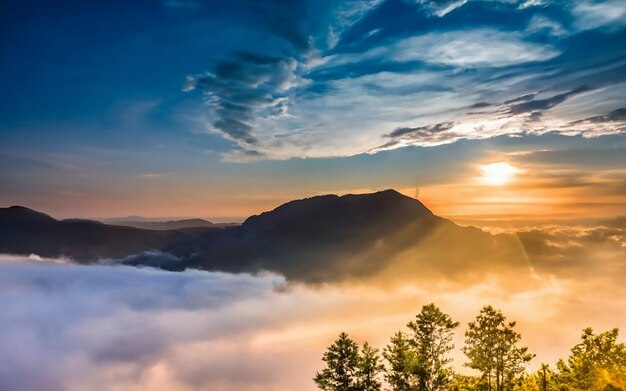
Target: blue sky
{"x":265,"y":97}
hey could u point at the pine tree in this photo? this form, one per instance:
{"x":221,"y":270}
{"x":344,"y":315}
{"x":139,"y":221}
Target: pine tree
{"x":400,"y":374}
{"x":347,"y":369}
{"x":432,"y":342}
{"x":491,"y":346}
{"x":342,"y":365}
{"x":369,"y":368}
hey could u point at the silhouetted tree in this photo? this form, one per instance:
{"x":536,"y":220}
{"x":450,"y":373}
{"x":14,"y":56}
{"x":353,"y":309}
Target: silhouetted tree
{"x":598,"y":362}
{"x":491,"y":347}
{"x":347,"y":370}
{"x":432,"y":342}
{"x":342,"y":360}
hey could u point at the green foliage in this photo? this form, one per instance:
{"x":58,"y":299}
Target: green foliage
{"x":340,"y":373}
{"x":432,"y":341}
{"x":464,"y":383}
{"x":598,"y":362}
{"x":347,"y":370}
{"x":400,"y":374}
{"x":491,"y":347}
{"x":419,"y":360}
{"x":541,"y":380}
{"x":368,"y":369}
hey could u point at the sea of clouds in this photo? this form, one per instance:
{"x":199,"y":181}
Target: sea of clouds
{"x":110,"y":327}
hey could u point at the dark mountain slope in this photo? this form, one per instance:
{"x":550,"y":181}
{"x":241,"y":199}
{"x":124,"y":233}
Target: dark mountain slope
{"x":25,"y":231}
{"x":330,"y":237}
{"x":315,"y":239}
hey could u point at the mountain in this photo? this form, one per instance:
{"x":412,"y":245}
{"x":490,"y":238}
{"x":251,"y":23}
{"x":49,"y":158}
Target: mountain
{"x":25,"y":231}
{"x":314,"y":239}
{"x":167,"y":225}
{"x":330,"y":237}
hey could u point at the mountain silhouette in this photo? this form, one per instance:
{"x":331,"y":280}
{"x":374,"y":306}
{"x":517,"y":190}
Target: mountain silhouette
{"x":167,"y":225}
{"x":314,"y":239}
{"x":25,"y":231}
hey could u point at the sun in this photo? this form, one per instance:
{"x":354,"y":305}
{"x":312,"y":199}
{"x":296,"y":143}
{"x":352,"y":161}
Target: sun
{"x":497,"y":174}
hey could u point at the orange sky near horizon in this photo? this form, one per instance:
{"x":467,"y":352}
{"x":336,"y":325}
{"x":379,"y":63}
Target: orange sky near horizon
{"x":497,"y":186}
{"x":525,"y":196}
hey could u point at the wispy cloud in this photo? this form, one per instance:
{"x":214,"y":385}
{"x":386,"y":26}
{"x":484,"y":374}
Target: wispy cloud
{"x":599,"y":14}
{"x":336,"y":79}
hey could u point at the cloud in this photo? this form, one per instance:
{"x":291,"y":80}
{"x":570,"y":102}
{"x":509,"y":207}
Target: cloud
{"x":441,"y":8}
{"x":243,"y":88}
{"x":618,"y":222}
{"x":249,"y":84}
{"x":599,"y":14}
{"x":157,"y":259}
{"x":529,"y":105}
{"x":73,"y":327}
{"x":434,"y":133}
{"x":70,"y":327}
{"x":540,"y":24}
{"x":575,"y":250}
{"x":612,"y":116}
{"x":461,"y":48}
{"x":421,"y":130}
{"x":480,"y":47}
{"x":516,"y":116}
{"x":332,"y":80}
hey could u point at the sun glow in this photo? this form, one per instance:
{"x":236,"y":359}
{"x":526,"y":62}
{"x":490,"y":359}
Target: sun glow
{"x":497,"y":174}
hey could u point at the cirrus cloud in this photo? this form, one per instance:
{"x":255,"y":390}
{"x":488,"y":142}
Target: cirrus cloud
{"x":337,"y":81}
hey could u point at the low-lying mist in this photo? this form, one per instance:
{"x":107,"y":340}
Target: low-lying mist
{"x":109,"y":327}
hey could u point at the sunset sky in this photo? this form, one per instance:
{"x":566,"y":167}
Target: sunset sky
{"x":225,"y":109}
{"x":506,"y":115}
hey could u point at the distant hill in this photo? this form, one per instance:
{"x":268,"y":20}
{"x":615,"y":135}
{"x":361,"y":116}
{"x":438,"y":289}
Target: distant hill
{"x":315,"y":239}
{"x":167,"y":225}
{"x":25,"y":231}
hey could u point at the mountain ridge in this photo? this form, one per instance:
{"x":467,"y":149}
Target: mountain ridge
{"x":312,"y":239}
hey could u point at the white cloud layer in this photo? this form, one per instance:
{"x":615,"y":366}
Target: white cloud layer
{"x":104,"y":328}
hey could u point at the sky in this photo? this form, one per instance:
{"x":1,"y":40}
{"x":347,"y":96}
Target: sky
{"x":509,"y":115}
{"x":214,"y":109}
{"x":225,"y":109}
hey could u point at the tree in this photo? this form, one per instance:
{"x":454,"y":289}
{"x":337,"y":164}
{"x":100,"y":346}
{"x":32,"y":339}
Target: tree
{"x":541,"y":380}
{"x":491,"y":347}
{"x":544,"y":375}
{"x":369,"y":368}
{"x":342,"y":360}
{"x":598,"y":362}
{"x":463,"y":383}
{"x":419,"y":360}
{"x":432,"y":342}
{"x":400,"y":374}
{"x":347,"y":370}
